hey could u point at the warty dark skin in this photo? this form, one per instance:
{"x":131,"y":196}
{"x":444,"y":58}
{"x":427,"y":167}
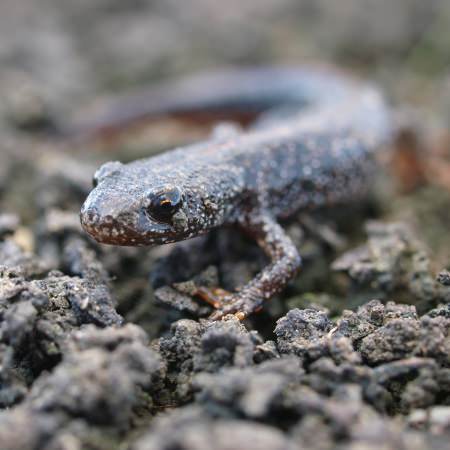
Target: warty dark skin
{"x":312,"y":146}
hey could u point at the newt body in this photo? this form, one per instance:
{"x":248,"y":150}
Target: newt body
{"x":314,"y":148}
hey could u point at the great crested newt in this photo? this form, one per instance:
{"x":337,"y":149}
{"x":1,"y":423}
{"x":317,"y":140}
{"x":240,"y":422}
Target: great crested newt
{"x":312,"y":144}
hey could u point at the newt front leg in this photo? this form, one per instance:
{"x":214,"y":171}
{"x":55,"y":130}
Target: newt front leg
{"x":285,"y":263}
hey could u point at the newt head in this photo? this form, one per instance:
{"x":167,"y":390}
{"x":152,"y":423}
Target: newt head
{"x":149,"y":203}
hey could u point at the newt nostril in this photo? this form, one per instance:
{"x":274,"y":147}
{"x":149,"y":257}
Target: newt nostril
{"x":108,"y":219}
{"x":89,"y":215}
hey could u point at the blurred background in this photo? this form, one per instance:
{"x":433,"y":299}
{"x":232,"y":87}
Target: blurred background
{"x":66,"y":51}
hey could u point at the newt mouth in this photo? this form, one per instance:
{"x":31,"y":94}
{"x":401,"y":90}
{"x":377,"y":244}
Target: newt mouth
{"x":126,"y":229}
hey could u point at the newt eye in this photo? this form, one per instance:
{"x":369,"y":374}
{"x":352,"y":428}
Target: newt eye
{"x":164,"y":203}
